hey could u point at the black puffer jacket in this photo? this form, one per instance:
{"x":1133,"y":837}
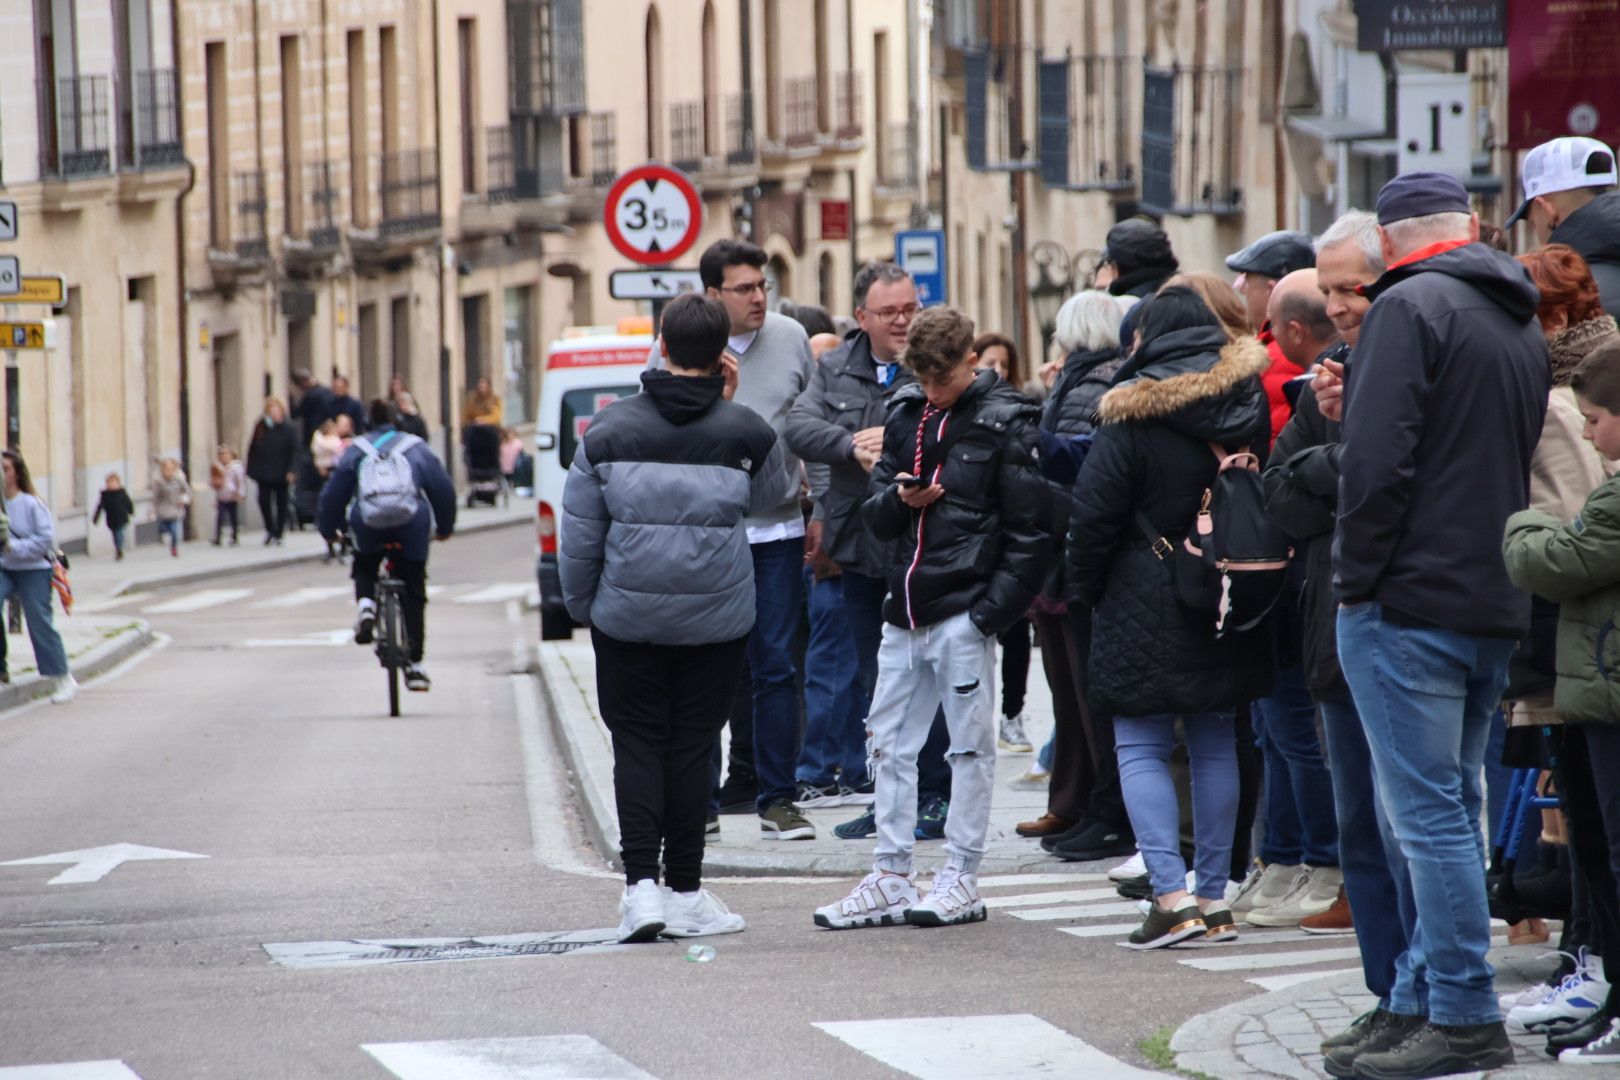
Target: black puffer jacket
{"x":272,"y":452}
{"x":1594,"y":231}
{"x":1149,"y":655}
{"x":985,"y":545}
{"x":1302,"y":492}
{"x":1071,"y":411}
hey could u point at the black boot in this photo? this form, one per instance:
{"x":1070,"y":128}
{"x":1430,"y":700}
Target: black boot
{"x":1373,"y":1031}
{"x":1438,"y":1050}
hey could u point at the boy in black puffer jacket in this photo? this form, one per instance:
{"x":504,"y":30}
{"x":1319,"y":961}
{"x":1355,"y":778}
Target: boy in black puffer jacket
{"x":973,"y":547}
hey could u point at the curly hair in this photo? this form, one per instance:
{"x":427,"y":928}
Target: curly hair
{"x":939,"y":341}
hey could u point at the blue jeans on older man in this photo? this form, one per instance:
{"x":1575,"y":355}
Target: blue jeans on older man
{"x":1300,"y":826}
{"x":1426,"y":697}
{"x":778,"y":601}
{"x":835,"y":701}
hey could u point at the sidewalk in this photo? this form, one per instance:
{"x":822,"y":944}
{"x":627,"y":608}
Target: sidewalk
{"x":150,"y":566}
{"x":568,"y":684}
{"x":94,"y":643}
{"x":1278,"y":1034}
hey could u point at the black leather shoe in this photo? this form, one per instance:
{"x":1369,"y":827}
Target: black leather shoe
{"x":1372,"y":1031}
{"x":1438,"y":1050}
{"x":1590,"y":1030}
{"x":1050,"y":843}
{"x":1098,"y":842}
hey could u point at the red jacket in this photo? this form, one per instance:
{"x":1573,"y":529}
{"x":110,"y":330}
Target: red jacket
{"x":1276,"y":376}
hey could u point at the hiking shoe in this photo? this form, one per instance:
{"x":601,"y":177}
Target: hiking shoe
{"x":1605,"y":1050}
{"x":857,"y":829}
{"x":1438,"y":1050}
{"x":1045,"y":825}
{"x":1163,"y":928}
{"x":931,"y":819}
{"x":641,"y":913}
{"x":1266,"y":887}
{"x":954,"y":898}
{"x":1318,"y":889}
{"x":1219,"y":925}
{"x":859,"y":795}
{"x":881,"y":899}
{"x":365,"y":623}
{"x":1335,"y":920}
{"x":698,"y":914}
{"x":781,"y":821}
{"x":1099,"y":841}
{"x":1012,"y":738}
{"x":815,"y":796}
{"x":1573,"y":1001}
{"x":1371,"y":1032}
{"x":416,"y":679}
{"x":1132,"y":867}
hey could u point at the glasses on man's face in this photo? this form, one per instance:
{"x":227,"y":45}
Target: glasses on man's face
{"x":904,"y":313}
{"x":743,"y":292}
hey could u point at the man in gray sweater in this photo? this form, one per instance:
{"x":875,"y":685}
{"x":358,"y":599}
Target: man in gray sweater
{"x":771,"y":354}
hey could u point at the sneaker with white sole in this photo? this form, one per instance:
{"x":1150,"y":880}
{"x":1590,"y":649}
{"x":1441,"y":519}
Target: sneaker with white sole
{"x":416,"y":680}
{"x":816,"y":796}
{"x":365,"y":622}
{"x":1012,"y":737}
{"x":881,"y":899}
{"x":1528,"y":996}
{"x":641,"y":913}
{"x":781,"y":821}
{"x":66,"y":689}
{"x":1316,"y":892}
{"x":1036,"y":777}
{"x":1574,"y":1000}
{"x":1131,"y":868}
{"x":1265,"y":888}
{"x":1605,"y":1050}
{"x":954,"y":898}
{"x":698,"y":914}
{"x":860,"y":795}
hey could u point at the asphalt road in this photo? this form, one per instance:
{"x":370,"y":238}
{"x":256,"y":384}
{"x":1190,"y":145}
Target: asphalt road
{"x":254,"y":739}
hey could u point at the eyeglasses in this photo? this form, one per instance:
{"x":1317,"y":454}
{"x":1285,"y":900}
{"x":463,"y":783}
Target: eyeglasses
{"x":742,"y":292}
{"x":894,"y":314}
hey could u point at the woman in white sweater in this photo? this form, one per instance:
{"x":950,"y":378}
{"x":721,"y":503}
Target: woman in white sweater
{"x":26,"y":565}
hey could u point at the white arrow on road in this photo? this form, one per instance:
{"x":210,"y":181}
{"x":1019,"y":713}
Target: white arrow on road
{"x":93,"y":864}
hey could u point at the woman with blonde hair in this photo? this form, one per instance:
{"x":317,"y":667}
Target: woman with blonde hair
{"x":1219,"y":296}
{"x":272,"y":452}
{"x":483,"y":405}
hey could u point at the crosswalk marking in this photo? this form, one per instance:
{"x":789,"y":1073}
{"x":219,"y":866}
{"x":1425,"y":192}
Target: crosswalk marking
{"x":73,"y":1070}
{"x":1261,"y":961}
{"x":544,"y":1057}
{"x":108,"y":603}
{"x":497,"y":594}
{"x":300,"y":597}
{"x":1005,"y":881}
{"x":1102,"y":929}
{"x":197,"y":601}
{"x":983,"y":1047}
{"x":1294,"y":978}
{"x":1077,"y":911}
{"x":1073,"y":896}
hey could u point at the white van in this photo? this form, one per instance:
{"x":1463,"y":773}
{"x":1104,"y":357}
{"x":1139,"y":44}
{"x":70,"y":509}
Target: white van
{"x":586,"y":370}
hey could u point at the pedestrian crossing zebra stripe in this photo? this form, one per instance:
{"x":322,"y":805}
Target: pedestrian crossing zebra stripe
{"x":197,"y":601}
{"x":300,"y":597}
{"x":983,"y":1047}
{"x":543,"y":1057}
{"x":73,"y":1070}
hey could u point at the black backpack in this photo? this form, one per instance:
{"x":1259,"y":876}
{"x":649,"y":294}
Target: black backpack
{"x":1234,"y":562}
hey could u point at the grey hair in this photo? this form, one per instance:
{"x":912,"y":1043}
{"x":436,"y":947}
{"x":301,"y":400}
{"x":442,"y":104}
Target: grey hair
{"x":1409,"y":234}
{"x":1088,"y":321}
{"x":874,"y":272}
{"x":1359,"y":227}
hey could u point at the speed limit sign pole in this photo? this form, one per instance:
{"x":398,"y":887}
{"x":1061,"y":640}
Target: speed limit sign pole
{"x":653,"y":215}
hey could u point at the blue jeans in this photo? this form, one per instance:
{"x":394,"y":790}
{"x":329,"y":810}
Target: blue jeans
{"x":33,"y":589}
{"x":1143,"y":745}
{"x":778,"y":599}
{"x":170,"y":531}
{"x":1498,"y":778}
{"x":1426,"y":698}
{"x":1299,"y":790}
{"x":118,"y":534}
{"x":834,"y":701}
{"x":1376,"y":879}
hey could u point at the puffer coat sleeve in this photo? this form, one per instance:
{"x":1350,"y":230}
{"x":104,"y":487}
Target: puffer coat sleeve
{"x":1102,"y":518}
{"x":584,"y":534}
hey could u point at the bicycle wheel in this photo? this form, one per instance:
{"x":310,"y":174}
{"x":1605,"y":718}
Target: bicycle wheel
{"x":388,"y":648}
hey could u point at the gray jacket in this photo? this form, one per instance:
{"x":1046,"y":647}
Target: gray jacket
{"x":654,"y":544}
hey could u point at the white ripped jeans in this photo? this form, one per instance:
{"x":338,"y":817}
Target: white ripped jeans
{"x":952,"y":665}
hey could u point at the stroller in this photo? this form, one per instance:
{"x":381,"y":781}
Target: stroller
{"x":306,"y":495}
{"x":481,"y":449}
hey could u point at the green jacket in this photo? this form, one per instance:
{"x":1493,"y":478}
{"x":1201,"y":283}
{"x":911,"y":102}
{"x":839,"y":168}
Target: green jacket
{"x":1577,"y":566}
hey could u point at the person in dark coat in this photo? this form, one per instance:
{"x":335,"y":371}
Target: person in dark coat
{"x":312,"y":404}
{"x":1153,"y":662}
{"x":115,"y":503}
{"x":1570,"y":198}
{"x":345,"y":404}
{"x":1137,"y":260}
{"x":407,"y":417}
{"x":272,"y":454}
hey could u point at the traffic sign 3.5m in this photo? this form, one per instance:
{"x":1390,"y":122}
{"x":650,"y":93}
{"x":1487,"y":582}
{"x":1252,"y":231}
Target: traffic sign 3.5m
{"x":653,"y":214}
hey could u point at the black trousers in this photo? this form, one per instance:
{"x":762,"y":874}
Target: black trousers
{"x":1015,"y":651}
{"x":226,"y":512}
{"x":414,"y":601}
{"x":273,"y":507}
{"x":664,"y":706}
{"x":1584,"y":771}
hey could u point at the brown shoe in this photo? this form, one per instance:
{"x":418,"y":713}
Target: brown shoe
{"x":1045,"y":825}
{"x":1335,"y":920}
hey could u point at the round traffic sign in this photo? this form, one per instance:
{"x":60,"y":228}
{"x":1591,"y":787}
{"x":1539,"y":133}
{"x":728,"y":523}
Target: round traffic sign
{"x":653,"y":214}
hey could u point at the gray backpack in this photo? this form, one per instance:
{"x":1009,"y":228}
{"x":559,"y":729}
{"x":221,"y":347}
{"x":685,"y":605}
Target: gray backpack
{"x":388,"y":493}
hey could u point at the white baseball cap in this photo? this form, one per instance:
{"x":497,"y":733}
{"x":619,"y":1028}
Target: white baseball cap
{"x":1565,"y":164}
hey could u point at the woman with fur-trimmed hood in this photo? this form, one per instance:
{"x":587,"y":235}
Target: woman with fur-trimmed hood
{"x":1153,"y":662}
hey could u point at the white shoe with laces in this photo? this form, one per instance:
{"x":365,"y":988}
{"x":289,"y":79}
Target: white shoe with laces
{"x":698,"y":914}
{"x":1012,"y":737}
{"x":1578,"y":997}
{"x":1528,"y":996}
{"x":953,"y":899}
{"x":641,"y":912}
{"x":66,"y":689}
{"x":881,"y":899}
{"x":1133,"y":867}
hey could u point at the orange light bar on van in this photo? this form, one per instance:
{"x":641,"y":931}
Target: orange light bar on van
{"x":635,"y":324}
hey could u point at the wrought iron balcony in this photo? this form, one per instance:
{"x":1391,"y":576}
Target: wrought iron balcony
{"x":1192,"y":140}
{"x":238,"y":245}
{"x":322,"y":195}
{"x":686,"y":135}
{"x":1086,"y":107}
{"x":604,"y":148}
{"x":546,"y":57}
{"x":799,"y":108}
{"x":740,"y":147}
{"x":897,"y":159}
{"x":149,"y":122}
{"x":74,"y":137}
{"x":501,"y":184}
{"x":847,"y":122}
{"x":410,"y":192}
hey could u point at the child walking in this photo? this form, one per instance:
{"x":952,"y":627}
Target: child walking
{"x":229,"y":489}
{"x":116,"y":504}
{"x":171,"y":494}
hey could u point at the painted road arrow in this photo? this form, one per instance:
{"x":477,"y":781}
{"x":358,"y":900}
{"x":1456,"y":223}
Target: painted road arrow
{"x":93,"y":864}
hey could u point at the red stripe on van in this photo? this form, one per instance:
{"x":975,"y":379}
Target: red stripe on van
{"x":590,"y":358}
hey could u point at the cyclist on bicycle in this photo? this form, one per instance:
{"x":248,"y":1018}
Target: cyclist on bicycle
{"x":393,"y":491}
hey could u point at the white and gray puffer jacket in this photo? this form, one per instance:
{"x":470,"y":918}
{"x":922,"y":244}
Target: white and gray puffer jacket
{"x":654,"y":548}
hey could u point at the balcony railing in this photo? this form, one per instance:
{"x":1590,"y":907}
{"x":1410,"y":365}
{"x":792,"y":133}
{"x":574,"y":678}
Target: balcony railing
{"x":1085,"y":122}
{"x":149,"y":122}
{"x":501,"y":166}
{"x":546,"y":57}
{"x":73,"y":128}
{"x":244,"y":234}
{"x":410,"y":192}
{"x":847,"y":120}
{"x":740,"y":148}
{"x":897,"y":158}
{"x":686,"y":135}
{"x":322,"y":193}
{"x":798,"y":103}
{"x":604,"y":148}
{"x":998,"y":138}
{"x":1192,"y":147}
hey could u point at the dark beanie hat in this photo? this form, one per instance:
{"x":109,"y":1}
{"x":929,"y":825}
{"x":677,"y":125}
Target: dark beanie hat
{"x":1138,"y":243}
{"x":1420,"y":194}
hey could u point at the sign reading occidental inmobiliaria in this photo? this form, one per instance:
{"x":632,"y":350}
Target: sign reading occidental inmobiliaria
{"x":1387,"y":25}
{"x":1563,"y":70}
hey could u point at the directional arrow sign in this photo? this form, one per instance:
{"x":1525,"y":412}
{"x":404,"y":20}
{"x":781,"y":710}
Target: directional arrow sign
{"x":93,"y":864}
{"x":8,"y":221}
{"x":653,"y":284}
{"x":22,"y":335}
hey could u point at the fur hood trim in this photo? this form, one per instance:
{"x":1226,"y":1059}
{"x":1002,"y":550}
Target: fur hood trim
{"x":1147,"y":398}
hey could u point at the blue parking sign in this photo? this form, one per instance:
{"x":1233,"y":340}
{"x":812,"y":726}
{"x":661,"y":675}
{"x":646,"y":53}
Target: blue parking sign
{"x":921,"y":253}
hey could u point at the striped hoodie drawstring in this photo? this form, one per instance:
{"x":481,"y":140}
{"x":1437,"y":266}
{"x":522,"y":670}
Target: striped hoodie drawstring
{"x":928,"y":413}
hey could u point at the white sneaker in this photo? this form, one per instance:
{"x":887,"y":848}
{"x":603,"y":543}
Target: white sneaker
{"x":1528,"y":996}
{"x":698,"y":914}
{"x":1132,"y":867}
{"x":365,"y":622}
{"x":1318,"y":890}
{"x":66,"y":688}
{"x":1036,"y":777}
{"x":881,"y":899}
{"x":1012,"y":738}
{"x":1263,"y":888}
{"x":1580,"y":996}
{"x":641,"y":913}
{"x":953,"y":899}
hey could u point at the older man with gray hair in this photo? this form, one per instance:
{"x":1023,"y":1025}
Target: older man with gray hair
{"x":1444,"y":402}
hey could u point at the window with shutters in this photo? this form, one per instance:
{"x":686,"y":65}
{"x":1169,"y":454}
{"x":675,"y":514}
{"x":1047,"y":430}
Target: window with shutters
{"x":1192,"y":127}
{"x":1084,"y":124}
{"x":998,"y":134}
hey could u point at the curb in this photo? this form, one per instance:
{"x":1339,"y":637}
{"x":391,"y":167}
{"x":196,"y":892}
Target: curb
{"x":103,"y":658}
{"x":1204,"y":1044}
{"x":274,"y":562}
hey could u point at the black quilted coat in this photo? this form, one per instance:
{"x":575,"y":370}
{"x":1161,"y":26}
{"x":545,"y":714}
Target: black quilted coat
{"x":1149,"y":655}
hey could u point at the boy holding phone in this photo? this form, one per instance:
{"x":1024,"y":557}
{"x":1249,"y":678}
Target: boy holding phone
{"x":958,"y":488}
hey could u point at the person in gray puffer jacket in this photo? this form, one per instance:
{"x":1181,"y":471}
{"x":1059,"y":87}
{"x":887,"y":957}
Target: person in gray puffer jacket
{"x":655,"y":559}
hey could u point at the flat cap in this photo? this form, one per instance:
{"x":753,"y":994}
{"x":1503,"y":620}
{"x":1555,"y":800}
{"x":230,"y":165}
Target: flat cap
{"x":1274,"y":255}
{"x":1419,"y":194}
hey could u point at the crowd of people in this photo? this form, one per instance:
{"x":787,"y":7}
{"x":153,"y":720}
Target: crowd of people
{"x":1322,"y":550}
